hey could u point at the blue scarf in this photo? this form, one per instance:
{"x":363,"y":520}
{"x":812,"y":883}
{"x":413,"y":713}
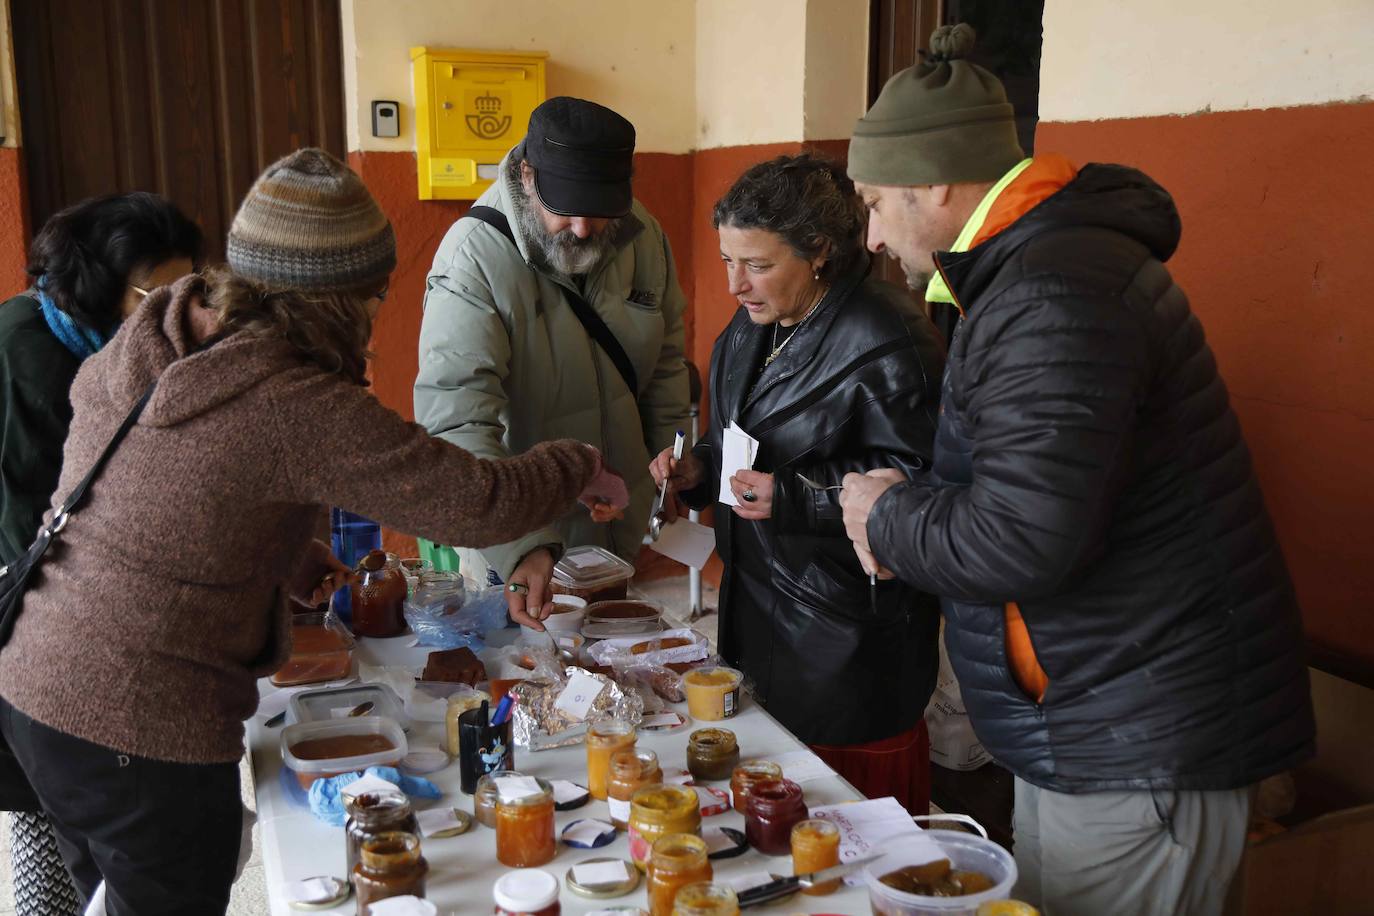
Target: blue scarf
{"x":76,"y":337}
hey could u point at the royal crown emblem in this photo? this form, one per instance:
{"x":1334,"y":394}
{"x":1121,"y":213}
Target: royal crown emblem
{"x":487,"y":121}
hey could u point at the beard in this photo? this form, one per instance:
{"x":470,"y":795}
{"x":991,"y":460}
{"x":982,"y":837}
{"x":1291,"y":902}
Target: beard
{"x":916,"y":278}
{"x":561,"y":252}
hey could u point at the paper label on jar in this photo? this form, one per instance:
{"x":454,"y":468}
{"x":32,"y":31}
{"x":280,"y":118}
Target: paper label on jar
{"x":512,"y":788}
{"x":639,"y":847}
{"x":731,"y":700}
{"x":620,"y":810}
{"x":577,"y":698}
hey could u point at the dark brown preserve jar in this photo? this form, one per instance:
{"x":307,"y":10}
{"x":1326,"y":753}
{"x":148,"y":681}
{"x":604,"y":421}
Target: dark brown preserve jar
{"x":390,"y":865}
{"x":378,"y":598}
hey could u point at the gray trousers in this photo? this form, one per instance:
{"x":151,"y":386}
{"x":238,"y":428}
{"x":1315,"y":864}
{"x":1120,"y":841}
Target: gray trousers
{"x":1143,"y":853}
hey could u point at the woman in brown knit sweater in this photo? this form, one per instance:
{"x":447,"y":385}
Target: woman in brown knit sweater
{"x":133,"y":663}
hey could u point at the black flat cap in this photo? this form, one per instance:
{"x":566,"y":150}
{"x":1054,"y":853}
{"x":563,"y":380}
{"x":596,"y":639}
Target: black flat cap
{"x":583,"y":155}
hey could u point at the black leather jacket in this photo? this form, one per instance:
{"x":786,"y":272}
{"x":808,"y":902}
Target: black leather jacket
{"x":1088,"y":466}
{"x":854,"y":389}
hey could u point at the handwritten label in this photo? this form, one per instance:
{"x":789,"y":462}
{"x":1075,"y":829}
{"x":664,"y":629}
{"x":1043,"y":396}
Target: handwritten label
{"x":576,"y":699}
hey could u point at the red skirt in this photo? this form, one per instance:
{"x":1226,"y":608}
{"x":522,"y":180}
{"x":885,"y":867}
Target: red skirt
{"x":898,"y":766}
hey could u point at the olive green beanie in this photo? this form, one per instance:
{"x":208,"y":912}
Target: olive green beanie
{"x":943,"y":121}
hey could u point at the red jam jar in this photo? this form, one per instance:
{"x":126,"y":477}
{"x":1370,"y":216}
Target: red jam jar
{"x":775,"y":806}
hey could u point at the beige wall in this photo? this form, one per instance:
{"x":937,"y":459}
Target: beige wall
{"x":9,"y":123}
{"x":690,"y":74}
{"x":1109,"y":59}
{"x":636,"y":57}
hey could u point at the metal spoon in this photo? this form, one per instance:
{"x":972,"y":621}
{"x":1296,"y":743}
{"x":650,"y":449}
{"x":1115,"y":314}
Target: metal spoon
{"x":361,"y":709}
{"x":656,"y":520}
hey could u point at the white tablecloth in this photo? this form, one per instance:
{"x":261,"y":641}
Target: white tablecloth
{"x":462,"y":869}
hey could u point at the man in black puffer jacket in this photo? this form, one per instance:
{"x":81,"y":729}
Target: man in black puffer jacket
{"x":1117,"y":609}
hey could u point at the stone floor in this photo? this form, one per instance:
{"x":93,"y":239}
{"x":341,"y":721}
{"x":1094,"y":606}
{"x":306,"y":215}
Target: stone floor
{"x":249,"y":896}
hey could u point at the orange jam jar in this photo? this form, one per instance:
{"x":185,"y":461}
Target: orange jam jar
{"x":816,"y":846}
{"x":712,"y":754}
{"x":524,"y":828}
{"x":744,"y":778}
{"x":706,"y":900}
{"x":603,"y":740}
{"x":631,"y":770}
{"x":712,"y":692}
{"x":677,"y":860}
{"x":657,"y":811}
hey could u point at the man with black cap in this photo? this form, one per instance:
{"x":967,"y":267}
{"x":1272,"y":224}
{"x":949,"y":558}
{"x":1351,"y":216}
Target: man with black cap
{"x":1117,"y":609}
{"x":552,"y":311}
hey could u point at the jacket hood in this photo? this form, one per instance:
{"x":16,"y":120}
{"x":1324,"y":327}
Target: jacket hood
{"x":161,"y":342}
{"x":1112,"y":197}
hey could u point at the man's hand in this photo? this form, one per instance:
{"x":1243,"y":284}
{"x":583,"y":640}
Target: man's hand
{"x":682,"y":474}
{"x":527,"y":591}
{"x":746,"y":483}
{"x":860,"y":493}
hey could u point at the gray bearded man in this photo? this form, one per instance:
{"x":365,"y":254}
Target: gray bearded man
{"x":553,"y":311}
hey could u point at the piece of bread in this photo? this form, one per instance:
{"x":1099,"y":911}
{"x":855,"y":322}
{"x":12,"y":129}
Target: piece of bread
{"x":459,"y":666}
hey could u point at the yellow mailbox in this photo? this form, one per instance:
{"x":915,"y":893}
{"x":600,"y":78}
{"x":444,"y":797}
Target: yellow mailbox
{"x":470,"y":108}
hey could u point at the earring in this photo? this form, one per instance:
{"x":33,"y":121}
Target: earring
{"x":816,"y":275}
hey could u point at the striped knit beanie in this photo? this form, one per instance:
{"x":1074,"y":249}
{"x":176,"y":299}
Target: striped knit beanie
{"x":310,"y":224}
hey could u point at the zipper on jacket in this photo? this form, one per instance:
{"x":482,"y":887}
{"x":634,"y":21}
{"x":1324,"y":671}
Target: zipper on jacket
{"x":952,"y":294}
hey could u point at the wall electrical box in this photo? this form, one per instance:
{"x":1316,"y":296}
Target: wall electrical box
{"x":471,"y":107}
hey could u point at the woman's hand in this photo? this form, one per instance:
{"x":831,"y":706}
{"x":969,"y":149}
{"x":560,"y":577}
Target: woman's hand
{"x":754,"y":490}
{"x":528,"y":598}
{"x":334,"y":576}
{"x":682,"y":474}
{"x":605,"y":494}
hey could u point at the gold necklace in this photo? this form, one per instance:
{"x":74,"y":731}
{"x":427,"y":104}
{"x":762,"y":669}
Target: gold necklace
{"x":778,"y":347}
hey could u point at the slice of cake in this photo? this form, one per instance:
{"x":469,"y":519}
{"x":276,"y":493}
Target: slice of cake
{"x":458,"y":666}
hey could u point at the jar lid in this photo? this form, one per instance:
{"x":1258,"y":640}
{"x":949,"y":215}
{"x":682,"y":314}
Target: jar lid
{"x":595,"y":872}
{"x":525,"y":889}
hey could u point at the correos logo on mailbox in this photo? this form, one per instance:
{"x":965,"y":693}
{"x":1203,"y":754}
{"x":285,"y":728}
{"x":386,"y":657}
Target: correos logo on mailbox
{"x":486,"y":114}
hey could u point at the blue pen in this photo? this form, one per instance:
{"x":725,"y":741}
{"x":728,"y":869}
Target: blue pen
{"x":502,"y":709}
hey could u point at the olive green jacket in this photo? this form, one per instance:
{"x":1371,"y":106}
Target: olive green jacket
{"x":505,"y":364}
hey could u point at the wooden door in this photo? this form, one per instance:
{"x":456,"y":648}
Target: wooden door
{"x":188,"y":99}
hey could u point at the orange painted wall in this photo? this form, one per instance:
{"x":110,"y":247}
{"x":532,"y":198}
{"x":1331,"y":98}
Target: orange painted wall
{"x":14,"y":221}
{"x":1276,"y":260}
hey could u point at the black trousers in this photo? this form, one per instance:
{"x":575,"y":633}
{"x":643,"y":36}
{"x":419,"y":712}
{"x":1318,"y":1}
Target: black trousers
{"x":163,"y":836}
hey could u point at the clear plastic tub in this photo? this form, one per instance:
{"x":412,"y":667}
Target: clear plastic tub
{"x":965,"y":852}
{"x":321,"y":650}
{"x":375,"y":729}
{"x":592,"y":574}
{"x":608,"y":619}
{"x":333,"y":703}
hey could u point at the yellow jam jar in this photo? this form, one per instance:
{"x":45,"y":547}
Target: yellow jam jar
{"x":712,"y":692}
{"x":816,"y":847}
{"x":657,"y":811}
{"x":706,"y":900}
{"x":603,"y":740}
{"x":677,"y":860}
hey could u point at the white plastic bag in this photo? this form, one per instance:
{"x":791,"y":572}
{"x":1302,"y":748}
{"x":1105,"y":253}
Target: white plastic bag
{"x":953,"y":744}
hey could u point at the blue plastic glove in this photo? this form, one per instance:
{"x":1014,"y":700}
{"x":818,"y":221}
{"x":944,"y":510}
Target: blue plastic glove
{"x":326,"y":795}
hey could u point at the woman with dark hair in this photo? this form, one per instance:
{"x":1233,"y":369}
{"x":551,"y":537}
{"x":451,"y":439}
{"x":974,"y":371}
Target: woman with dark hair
{"x":134,"y":661}
{"x":830,"y":371}
{"x":91,"y":264}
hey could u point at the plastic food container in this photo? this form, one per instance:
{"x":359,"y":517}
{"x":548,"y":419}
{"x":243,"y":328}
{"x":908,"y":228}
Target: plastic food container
{"x":568,"y":612}
{"x":358,"y":743}
{"x":712,"y":692}
{"x":609,"y":619}
{"x":321,"y":650}
{"x":965,"y":852}
{"x":592,"y":574}
{"x":333,"y":703}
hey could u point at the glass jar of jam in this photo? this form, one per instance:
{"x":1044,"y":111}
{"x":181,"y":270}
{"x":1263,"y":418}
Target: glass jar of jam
{"x":712,"y":754}
{"x":706,"y":900}
{"x":775,"y":806}
{"x":524,"y":828}
{"x":631,"y":770}
{"x":378,"y":597}
{"x":389,"y":865}
{"x":656,"y":811}
{"x":603,"y":740}
{"x":676,"y":860}
{"x":526,"y":892}
{"x":484,"y":797}
{"x":745,"y":777}
{"x":816,"y":846}
{"x":371,"y":814}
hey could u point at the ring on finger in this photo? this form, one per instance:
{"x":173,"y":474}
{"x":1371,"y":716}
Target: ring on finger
{"x":518,"y":588}
{"x":750,"y":496}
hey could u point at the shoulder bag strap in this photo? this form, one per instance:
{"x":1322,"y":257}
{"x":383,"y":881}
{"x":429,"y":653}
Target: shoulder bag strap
{"x":591,"y":322}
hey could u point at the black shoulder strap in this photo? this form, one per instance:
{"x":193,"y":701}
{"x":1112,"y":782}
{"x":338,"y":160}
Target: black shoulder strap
{"x":78,"y":496}
{"x":591,"y":322}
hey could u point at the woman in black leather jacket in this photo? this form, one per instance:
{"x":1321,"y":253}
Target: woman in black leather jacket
{"x":830,"y":371}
